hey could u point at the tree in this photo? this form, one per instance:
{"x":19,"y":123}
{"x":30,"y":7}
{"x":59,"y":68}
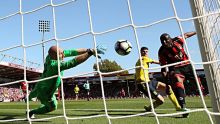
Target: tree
{"x":109,"y":66}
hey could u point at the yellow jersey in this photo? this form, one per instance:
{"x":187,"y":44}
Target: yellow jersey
{"x":142,"y":75}
{"x":76,"y":89}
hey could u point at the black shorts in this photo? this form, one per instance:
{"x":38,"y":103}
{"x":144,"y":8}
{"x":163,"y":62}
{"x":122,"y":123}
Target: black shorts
{"x":152,"y":86}
{"x":186,"y":71}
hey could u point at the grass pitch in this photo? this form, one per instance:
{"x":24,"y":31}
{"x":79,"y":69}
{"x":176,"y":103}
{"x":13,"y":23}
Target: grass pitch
{"x":119,"y":110}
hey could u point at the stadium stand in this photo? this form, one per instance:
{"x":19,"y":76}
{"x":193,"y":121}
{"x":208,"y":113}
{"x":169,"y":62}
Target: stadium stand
{"x":114,"y":83}
{"x":11,"y":71}
{"x":11,"y":68}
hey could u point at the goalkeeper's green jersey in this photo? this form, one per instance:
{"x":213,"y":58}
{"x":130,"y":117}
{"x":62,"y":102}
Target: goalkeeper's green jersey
{"x":51,"y":68}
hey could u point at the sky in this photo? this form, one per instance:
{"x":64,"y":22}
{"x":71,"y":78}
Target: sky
{"x":70,"y":26}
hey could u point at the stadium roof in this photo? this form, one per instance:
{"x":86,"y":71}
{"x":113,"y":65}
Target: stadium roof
{"x":16,"y":72}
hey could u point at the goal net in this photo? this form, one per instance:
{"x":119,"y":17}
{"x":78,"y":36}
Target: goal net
{"x":88,"y":23}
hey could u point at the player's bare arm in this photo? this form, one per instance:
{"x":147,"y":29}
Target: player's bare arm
{"x":81,"y":51}
{"x":189,"y":34}
{"x":156,"y":62}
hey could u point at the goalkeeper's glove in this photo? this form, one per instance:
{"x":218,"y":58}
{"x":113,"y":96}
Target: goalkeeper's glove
{"x":100,"y":50}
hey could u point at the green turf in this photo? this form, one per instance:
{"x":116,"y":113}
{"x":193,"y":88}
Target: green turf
{"x":116,"y":108}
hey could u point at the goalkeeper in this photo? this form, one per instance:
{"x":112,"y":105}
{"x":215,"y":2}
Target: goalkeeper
{"x":142,"y":78}
{"x":44,"y":90}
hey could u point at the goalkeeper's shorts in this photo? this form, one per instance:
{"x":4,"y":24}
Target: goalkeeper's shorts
{"x":48,"y":101}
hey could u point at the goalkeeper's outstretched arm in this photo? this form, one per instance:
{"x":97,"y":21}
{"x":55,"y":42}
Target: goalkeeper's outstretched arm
{"x":81,"y":56}
{"x":75,"y":52}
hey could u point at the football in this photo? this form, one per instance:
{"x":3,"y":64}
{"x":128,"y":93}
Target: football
{"x":123,"y":47}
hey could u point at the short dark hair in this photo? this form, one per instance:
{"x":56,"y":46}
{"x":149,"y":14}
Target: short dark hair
{"x":144,"y":48}
{"x":164,"y":36}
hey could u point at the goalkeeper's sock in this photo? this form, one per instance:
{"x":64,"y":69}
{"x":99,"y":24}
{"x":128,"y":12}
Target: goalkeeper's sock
{"x":173,"y":98}
{"x":31,"y":114}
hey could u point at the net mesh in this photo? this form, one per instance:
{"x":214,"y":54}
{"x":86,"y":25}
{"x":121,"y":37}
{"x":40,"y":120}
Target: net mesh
{"x":209,"y":17}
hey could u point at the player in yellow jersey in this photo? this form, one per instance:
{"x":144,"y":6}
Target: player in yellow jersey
{"x":76,"y":90}
{"x":142,"y":78}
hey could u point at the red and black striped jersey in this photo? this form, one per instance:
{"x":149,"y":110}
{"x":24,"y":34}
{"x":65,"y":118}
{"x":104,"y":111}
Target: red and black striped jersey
{"x":173,"y":54}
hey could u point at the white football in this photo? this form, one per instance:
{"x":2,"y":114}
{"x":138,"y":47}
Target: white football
{"x":123,"y":47}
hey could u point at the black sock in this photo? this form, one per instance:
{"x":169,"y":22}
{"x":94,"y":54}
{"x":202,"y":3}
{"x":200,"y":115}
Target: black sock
{"x":180,"y":94}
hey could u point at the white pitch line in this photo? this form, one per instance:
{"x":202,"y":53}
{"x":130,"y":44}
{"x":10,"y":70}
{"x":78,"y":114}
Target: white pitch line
{"x":119,"y":109}
{"x":108,"y":109}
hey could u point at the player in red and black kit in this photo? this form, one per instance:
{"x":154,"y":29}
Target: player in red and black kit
{"x":23,"y":87}
{"x":172,"y":51}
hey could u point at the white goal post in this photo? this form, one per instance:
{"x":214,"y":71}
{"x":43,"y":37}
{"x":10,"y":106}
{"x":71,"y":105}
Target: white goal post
{"x":207,"y":23}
